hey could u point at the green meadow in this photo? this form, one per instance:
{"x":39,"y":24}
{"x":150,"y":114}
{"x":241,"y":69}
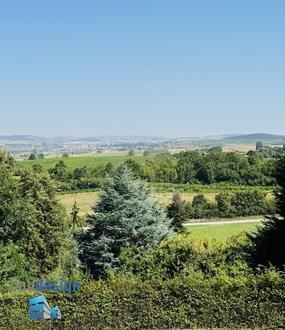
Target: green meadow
{"x":79,"y":161}
{"x":85,"y":200}
{"x":222,"y":232}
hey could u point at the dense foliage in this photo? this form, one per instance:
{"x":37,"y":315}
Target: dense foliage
{"x":269,"y":243}
{"x":176,"y":211}
{"x":226,"y":205}
{"x":181,"y":284}
{"x":30,"y":216}
{"x":188,"y":167}
{"x":267,"y":151}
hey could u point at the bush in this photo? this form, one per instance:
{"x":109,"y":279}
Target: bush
{"x":181,"y":255}
{"x":183,"y":302}
{"x":13,"y":264}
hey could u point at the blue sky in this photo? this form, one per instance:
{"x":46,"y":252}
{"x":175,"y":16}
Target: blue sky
{"x":143,"y":67}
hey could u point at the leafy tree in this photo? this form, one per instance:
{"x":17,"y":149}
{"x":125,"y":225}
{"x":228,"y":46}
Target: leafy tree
{"x":164,"y":166}
{"x":206,"y":174}
{"x":59,"y":172}
{"x":216,"y":149}
{"x":125,"y":215}
{"x":74,"y":215}
{"x":249,"y":202}
{"x":268,"y":242}
{"x":176,"y":211}
{"x":32,"y":157}
{"x":199,"y":206}
{"x":187,"y":166}
{"x":259,"y":145}
{"x":79,"y":173}
{"x":109,"y":168}
{"x":6,"y":159}
{"x":224,"y":204}
{"x":14,"y":212}
{"x":65,"y":154}
{"x":251,"y":154}
{"x":13,"y":264}
{"x":31,"y":217}
{"x":41,"y":156}
{"x":46,"y":227}
{"x":134,"y":167}
{"x":146,"y":153}
{"x":131,"y":152}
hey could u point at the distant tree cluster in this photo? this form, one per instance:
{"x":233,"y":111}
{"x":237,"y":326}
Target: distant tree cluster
{"x":267,"y":151}
{"x":35,"y":156}
{"x":81,"y":177}
{"x":212,"y":167}
{"x":226,"y":205}
{"x":189,"y":167}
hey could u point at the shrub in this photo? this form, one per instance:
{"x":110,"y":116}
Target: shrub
{"x":182,"y":303}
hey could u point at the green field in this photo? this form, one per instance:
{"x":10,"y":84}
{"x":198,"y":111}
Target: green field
{"x":80,"y":161}
{"x":85,"y":200}
{"x":222,"y":232}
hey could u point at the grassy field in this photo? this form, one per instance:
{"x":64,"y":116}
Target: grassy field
{"x":80,"y":161}
{"x":86,"y":199}
{"x":222,"y":232}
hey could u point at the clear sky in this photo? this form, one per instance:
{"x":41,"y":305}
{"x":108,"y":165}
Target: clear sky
{"x":142,"y":67}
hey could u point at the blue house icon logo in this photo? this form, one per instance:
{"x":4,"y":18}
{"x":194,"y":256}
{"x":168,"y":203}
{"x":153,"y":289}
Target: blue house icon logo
{"x":39,"y":309}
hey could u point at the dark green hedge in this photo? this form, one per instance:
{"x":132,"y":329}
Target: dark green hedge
{"x":178,"y":303}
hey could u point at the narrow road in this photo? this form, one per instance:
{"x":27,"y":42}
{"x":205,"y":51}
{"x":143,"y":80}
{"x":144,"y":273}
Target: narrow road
{"x":224,"y":222}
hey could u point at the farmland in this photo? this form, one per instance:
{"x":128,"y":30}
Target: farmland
{"x":222,"y":232}
{"x":162,"y":191}
{"x":85,"y":200}
{"x":80,"y":161}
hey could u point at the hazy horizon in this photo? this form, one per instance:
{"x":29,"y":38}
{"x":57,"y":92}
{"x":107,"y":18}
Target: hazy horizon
{"x":151,"y":68}
{"x":142,"y":136}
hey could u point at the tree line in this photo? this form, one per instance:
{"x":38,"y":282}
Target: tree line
{"x":187,"y":167}
{"x":226,"y":205}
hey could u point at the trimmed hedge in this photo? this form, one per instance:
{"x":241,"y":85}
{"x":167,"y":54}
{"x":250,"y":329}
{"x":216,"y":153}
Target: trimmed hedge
{"x":189,"y":302}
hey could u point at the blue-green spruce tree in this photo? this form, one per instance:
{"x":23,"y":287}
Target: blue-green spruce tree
{"x":125,"y":216}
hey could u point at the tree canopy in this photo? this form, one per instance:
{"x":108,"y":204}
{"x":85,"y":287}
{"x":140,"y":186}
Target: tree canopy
{"x":30,"y":216}
{"x":269,"y":242}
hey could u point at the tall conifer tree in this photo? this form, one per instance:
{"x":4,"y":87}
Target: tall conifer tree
{"x":125,"y":215}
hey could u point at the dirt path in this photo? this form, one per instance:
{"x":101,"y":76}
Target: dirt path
{"x":227,"y":222}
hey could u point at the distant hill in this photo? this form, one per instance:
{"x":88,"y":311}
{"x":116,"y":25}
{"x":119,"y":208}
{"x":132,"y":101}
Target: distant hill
{"x":19,"y":138}
{"x":21,"y":145}
{"x":253,"y":138}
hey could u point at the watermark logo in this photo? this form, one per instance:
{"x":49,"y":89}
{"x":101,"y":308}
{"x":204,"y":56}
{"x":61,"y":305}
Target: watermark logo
{"x":39,"y":309}
{"x":49,"y":286}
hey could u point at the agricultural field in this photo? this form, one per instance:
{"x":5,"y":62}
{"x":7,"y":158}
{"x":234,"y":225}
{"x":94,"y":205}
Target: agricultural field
{"x":222,"y":232}
{"x":79,"y":161}
{"x":85,"y":200}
